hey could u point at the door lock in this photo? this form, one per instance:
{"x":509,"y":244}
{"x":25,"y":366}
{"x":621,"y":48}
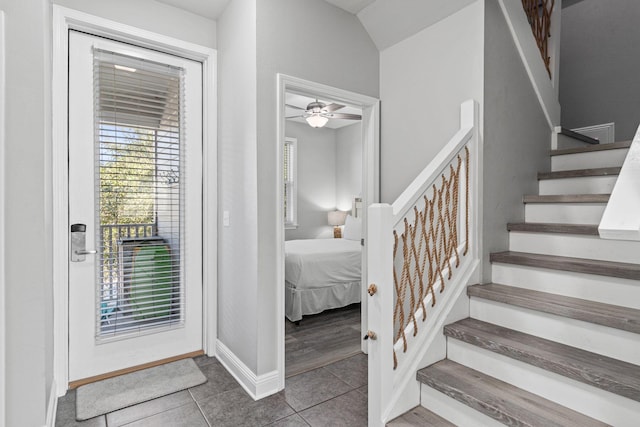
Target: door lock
{"x":79,"y":243}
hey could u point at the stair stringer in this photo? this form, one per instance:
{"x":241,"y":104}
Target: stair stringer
{"x":430,"y":347}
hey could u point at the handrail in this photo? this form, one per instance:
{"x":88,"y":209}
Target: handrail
{"x":426,"y":241}
{"x":620,"y":220}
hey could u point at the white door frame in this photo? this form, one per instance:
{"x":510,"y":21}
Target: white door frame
{"x":3,"y":336}
{"x":370,"y":179}
{"x":65,"y":19}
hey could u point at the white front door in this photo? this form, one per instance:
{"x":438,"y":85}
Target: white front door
{"x":135,"y":198}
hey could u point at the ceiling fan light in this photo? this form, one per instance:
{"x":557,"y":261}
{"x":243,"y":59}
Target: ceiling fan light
{"x":317,"y":121}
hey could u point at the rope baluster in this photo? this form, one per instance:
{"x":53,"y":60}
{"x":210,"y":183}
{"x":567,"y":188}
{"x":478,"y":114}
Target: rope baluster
{"x":430,"y":247}
{"x":539,"y":16}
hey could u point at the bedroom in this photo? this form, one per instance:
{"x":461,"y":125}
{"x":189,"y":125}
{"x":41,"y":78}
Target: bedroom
{"x":323,"y":186}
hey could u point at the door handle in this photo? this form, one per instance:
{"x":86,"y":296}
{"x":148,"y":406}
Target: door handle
{"x":85,"y":252}
{"x":78,"y":243}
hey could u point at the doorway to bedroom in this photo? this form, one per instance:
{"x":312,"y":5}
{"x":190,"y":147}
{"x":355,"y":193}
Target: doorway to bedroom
{"x":329,"y":176}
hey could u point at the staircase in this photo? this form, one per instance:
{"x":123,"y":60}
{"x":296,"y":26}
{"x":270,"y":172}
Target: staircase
{"x":555,"y":340}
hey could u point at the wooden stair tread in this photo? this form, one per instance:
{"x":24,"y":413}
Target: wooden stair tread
{"x":501,"y":401}
{"x":578,"y":265}
{"x":579,"y":173}
{"x":566,"y":198}
{"x":599,"y":147}
{"x":596,"y":370}
{"x":613,"y":316}
{"x":548,"y":227}
{"x":420,"y":416}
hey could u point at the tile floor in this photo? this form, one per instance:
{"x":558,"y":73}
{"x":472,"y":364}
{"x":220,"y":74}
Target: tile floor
{"x":334,"y":395}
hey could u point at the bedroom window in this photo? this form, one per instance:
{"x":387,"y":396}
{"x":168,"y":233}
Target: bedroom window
{"x":290,"y":191}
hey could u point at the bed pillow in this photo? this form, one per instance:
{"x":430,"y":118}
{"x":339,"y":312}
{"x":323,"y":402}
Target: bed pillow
{"x":352,"y":228}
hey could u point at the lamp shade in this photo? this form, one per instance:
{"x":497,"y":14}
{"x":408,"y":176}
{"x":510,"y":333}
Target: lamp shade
{"x":317,"y":121}
{"x":337,"y":218}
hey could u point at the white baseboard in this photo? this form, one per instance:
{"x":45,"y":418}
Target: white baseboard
{"x":52,"y":407}
{"x":257,"y":386}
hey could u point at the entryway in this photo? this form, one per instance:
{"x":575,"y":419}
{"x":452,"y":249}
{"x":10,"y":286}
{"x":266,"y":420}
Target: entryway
{"x":135,"y":174}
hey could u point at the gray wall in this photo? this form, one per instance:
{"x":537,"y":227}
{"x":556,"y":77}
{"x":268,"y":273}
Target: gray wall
{"x":257,"y":40}
{"x":316,"y":180}
{"x":516,"y":134}
{"x":28,"y":266}
{"x":348,"y":165}
{"x":347,"y":59}
{"x":423,"y":81}
{"x":599,"y":65}
{"x":237,"y":181}
{"x":329,"y":175}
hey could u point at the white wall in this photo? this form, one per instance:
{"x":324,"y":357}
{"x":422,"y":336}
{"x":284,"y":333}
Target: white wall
{"x":238,"y":182}
{"x":516,"y":134}
{"x":28,"y":267}
{"x":599,"y":73}
{"x":316,"y":180}
{"x":348,"y":165}
{"x":423,"y":81}
{"x":152,"y":16}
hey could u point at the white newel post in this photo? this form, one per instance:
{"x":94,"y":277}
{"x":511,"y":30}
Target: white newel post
{"x":380,"y":310}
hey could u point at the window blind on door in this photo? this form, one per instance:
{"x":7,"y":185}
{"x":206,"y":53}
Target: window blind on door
{"x":138,"y":194}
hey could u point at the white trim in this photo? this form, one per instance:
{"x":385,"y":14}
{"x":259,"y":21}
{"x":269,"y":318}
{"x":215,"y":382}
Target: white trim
{"x":52,"y":407}
{"x":256,"y":386}
{"x":3,"y":312}
{"x":371,"y":184}
{"x":65,"y":19}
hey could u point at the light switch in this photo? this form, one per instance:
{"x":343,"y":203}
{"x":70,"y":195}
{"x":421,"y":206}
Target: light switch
{"x":225,"y":218}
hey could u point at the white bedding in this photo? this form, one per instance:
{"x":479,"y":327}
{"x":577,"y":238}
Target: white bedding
{"x":314,"y":263}
{"x":321,"y":274}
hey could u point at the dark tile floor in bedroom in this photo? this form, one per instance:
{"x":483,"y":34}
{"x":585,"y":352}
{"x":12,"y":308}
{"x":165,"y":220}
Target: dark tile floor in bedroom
{"x":332,"y":395}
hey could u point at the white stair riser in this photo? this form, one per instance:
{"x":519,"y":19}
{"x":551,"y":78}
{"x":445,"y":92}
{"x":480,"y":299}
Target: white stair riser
{"x":594,"y":159}
{"x":608,"y":290}
{"x":566,"y":213}
{"x":591,"y":401}
{"x":578,"y":185}
{"x":576,"y":246}
{"x":599,"y":339}
{"x":454,"y":411}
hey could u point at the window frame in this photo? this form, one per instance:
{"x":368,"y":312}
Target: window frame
{"x":290,"y":221}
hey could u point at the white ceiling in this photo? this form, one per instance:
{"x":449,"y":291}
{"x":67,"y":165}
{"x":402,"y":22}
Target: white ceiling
{"x":212,"y":9}
{"x":387,"y":21}
{"x":303,"y":100}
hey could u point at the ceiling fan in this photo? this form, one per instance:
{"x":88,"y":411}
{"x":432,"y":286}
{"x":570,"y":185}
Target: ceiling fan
{"x":317,"y":113}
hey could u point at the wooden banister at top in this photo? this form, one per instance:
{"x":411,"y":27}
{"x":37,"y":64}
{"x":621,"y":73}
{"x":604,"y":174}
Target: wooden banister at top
{"x":539,"y":16}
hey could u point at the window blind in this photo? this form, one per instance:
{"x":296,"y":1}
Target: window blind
{"x":288,"y":166}
{"x":138,"y":194}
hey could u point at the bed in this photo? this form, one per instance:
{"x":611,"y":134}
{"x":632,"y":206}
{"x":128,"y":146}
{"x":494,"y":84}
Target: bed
{"x":321,"y":274}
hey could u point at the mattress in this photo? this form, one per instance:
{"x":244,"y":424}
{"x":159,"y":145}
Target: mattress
{"x":316,"y":263}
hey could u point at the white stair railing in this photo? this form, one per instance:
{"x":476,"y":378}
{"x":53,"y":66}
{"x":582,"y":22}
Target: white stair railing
{"x":423,"y":250}
{"x":621,"y":218}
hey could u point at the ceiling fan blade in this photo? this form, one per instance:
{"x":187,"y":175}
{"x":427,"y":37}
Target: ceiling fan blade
{"x":344,"y":116}
{"x":293,"y":106}
{"x":295,"y":117}
{"x":332,"y":107}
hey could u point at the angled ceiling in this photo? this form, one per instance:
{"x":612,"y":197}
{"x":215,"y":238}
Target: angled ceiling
{"x":387,"y":21}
